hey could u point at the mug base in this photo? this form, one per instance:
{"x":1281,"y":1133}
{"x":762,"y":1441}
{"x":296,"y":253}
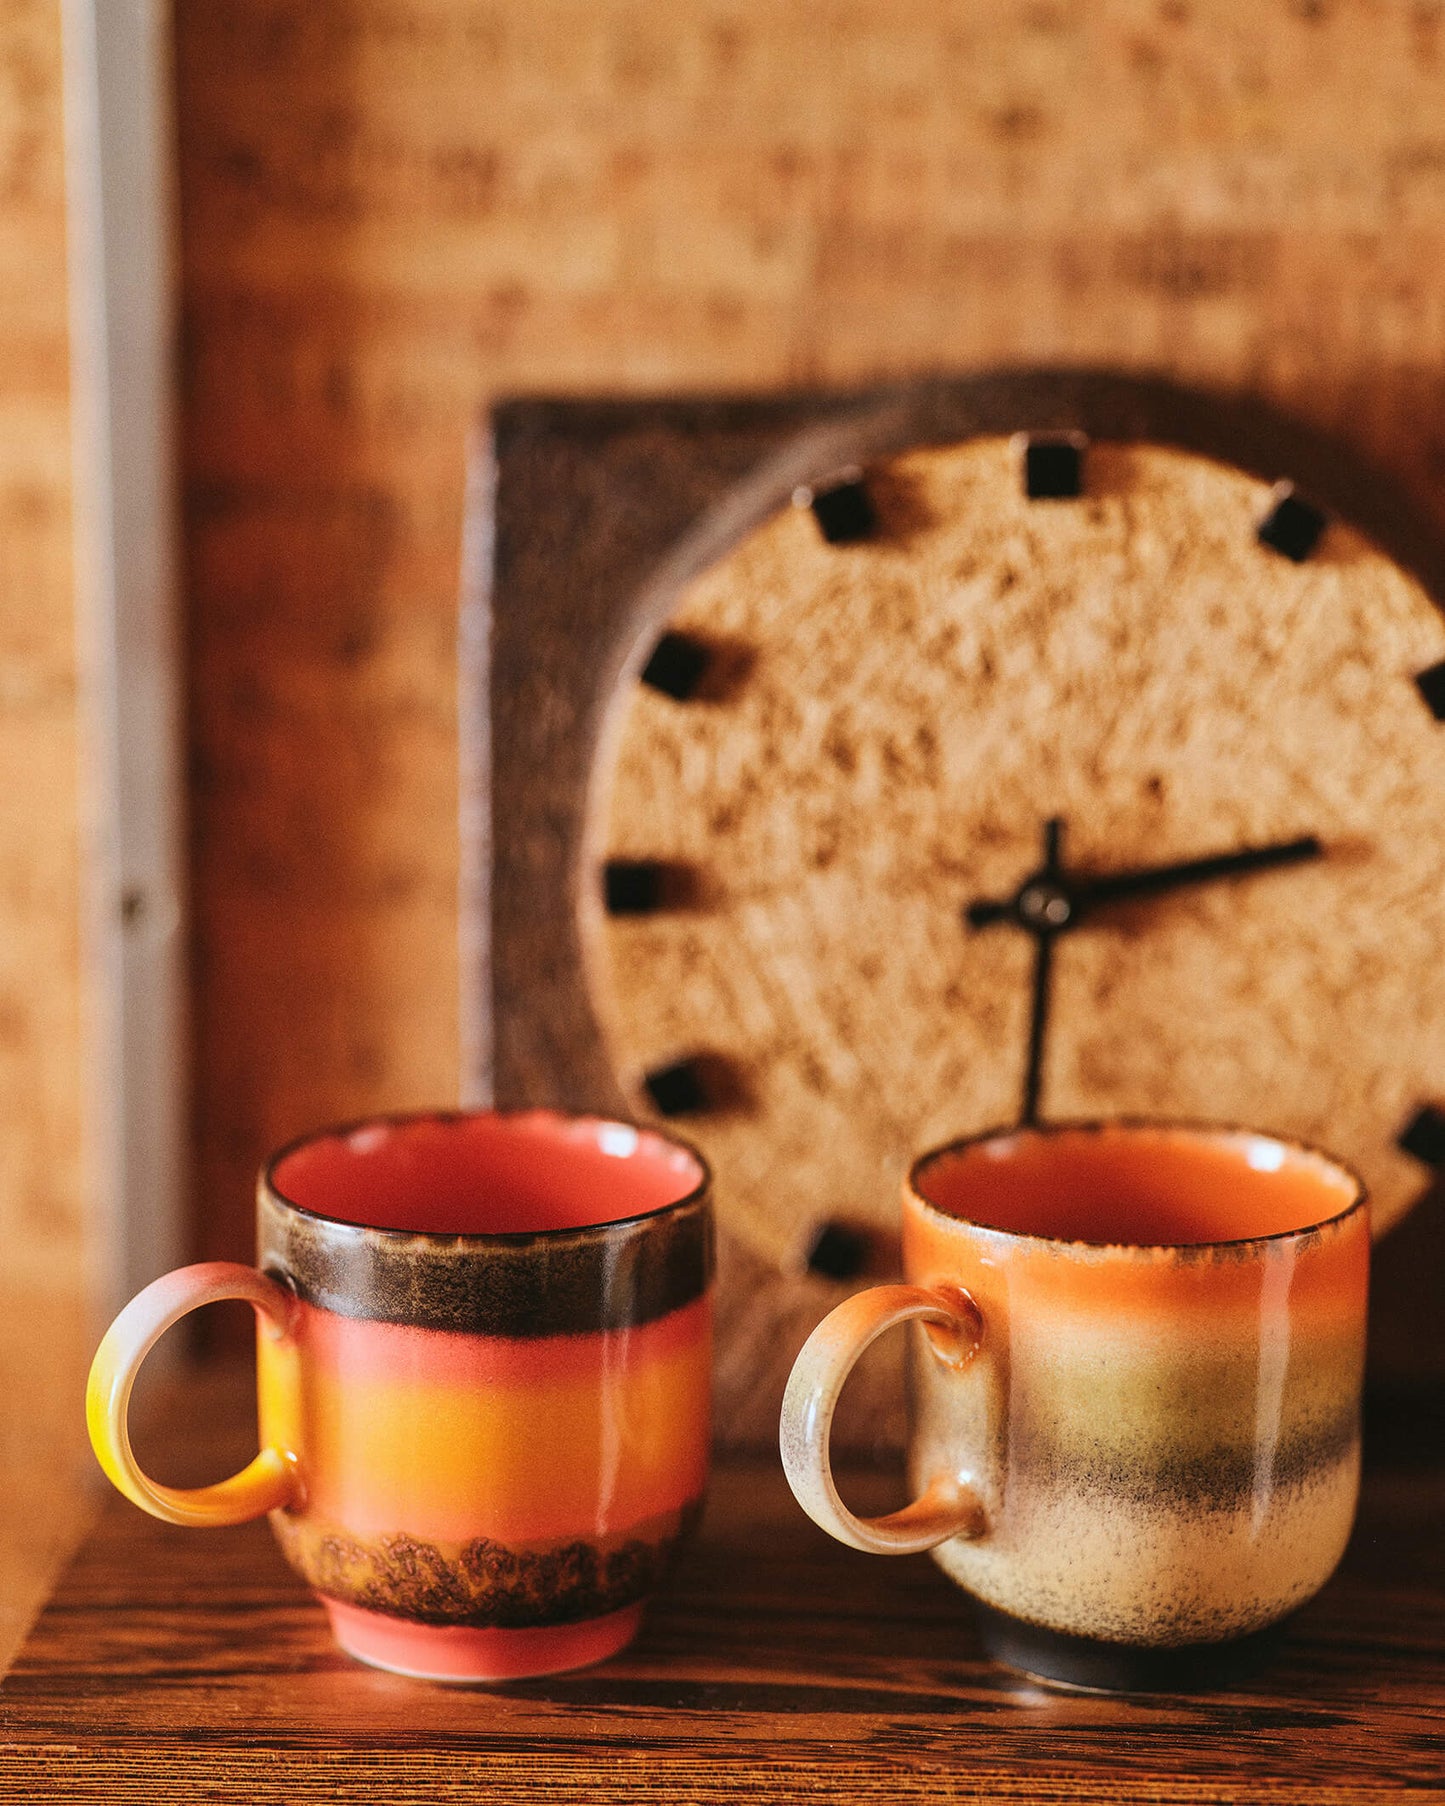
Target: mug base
{"x":475,"y":1654}
{"x":1089,"y":1665}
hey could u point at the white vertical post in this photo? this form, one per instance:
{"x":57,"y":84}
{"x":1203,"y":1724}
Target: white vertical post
{"x":120,"y":203}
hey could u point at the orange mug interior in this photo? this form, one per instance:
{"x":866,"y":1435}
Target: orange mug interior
{"x":1136,"y":1185}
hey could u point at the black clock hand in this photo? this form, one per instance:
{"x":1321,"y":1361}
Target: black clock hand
{"x":1053,"y":899}
{"x":1089,"y":893}
{"x":1043,"y":932}
{"x":1050,"y":901}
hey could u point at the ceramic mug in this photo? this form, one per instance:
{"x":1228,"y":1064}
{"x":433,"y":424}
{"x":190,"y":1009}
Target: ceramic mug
{"x":483,"y":1357}
{"x":1135,"y":1392}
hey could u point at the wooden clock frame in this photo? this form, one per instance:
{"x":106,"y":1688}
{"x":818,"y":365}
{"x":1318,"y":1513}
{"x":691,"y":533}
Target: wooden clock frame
{"x":585,"y":521}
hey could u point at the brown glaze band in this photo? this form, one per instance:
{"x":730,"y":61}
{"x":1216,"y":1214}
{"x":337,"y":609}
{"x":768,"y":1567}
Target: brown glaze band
{"x":1216,"y":1479}
{"x":486,"y":1582}
{"x":559,"y":1282}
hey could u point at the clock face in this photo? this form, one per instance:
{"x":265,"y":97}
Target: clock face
{"x":866,"y":737}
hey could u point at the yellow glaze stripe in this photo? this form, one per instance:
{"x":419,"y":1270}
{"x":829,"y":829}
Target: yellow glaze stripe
{"x":590,"y":1446}
{"x":268,"y":1482}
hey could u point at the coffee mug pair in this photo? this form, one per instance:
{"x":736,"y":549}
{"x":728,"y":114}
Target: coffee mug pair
{"x":484,"y":1349}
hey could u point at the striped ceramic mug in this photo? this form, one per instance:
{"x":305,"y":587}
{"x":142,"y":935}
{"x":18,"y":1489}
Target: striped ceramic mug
{"x":483,"y":1354}
{"x":1135,"y":1389}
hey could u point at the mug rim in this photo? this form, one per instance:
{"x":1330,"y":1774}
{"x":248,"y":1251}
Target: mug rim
{"x":1221,"y":1131}
{"x":497,"y":1237}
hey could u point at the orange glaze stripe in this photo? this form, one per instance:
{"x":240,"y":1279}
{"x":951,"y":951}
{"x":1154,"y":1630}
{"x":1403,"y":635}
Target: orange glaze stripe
{"x":1326,"y":1287}
{"x":449,"y":1437}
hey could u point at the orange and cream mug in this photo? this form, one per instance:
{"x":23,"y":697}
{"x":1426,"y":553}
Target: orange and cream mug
{"x":483,"y":1357}
{"x":1135,"y":1392}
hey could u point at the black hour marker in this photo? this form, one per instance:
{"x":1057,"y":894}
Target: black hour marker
{"x":1054,"y":466}
{"x":1431,"y":685}
{"x":1293,"y":526}
{"x":676,"y":667}
{"x":845,"y":512}
{"x":633,"y":887}
{"x":838,"y":1252}
{"x":677,"y":1090}
{"x":1424,"y":1136}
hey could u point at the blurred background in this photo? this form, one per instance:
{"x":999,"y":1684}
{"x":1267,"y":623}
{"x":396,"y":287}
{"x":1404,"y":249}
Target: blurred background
{"x":387,"y":211}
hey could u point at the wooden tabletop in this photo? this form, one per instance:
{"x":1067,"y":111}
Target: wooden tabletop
{"x":176,"y":1665}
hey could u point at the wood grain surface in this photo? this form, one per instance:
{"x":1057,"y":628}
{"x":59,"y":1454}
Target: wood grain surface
{"x":40,"y":976}
{"x":187,"y":1666}
{"x":42,"y":1188}
{"x":392,"y":210}
{"x":50,"y":1481}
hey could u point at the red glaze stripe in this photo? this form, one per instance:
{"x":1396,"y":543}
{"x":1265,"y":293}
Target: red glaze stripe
{"x":368,"y":1352}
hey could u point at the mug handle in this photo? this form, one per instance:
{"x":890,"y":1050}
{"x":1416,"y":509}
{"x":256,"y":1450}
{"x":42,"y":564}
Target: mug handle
{"x":272,"y":1478}
{"x":948,"y":1505}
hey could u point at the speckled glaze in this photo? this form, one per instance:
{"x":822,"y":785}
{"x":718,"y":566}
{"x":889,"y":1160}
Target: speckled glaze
{"x":1125,"y":1445}
{"x":494,"y":1439}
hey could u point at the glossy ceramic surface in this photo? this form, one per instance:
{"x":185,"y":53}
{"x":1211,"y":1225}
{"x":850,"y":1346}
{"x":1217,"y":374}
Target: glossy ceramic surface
{"x":485,"y":1377}
{"x":1138,"y":1420}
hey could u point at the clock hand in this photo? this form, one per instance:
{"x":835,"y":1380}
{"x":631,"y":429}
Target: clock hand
{"x":1049,"y":898}
{"x":1090,"y":893}
{"x":1043,"y":932}
{"x":1049,"y":902}
{"x":1038,"y":1025}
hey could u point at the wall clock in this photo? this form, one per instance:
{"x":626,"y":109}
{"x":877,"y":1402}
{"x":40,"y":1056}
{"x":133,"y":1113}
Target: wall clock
{"x":849,"y":773}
